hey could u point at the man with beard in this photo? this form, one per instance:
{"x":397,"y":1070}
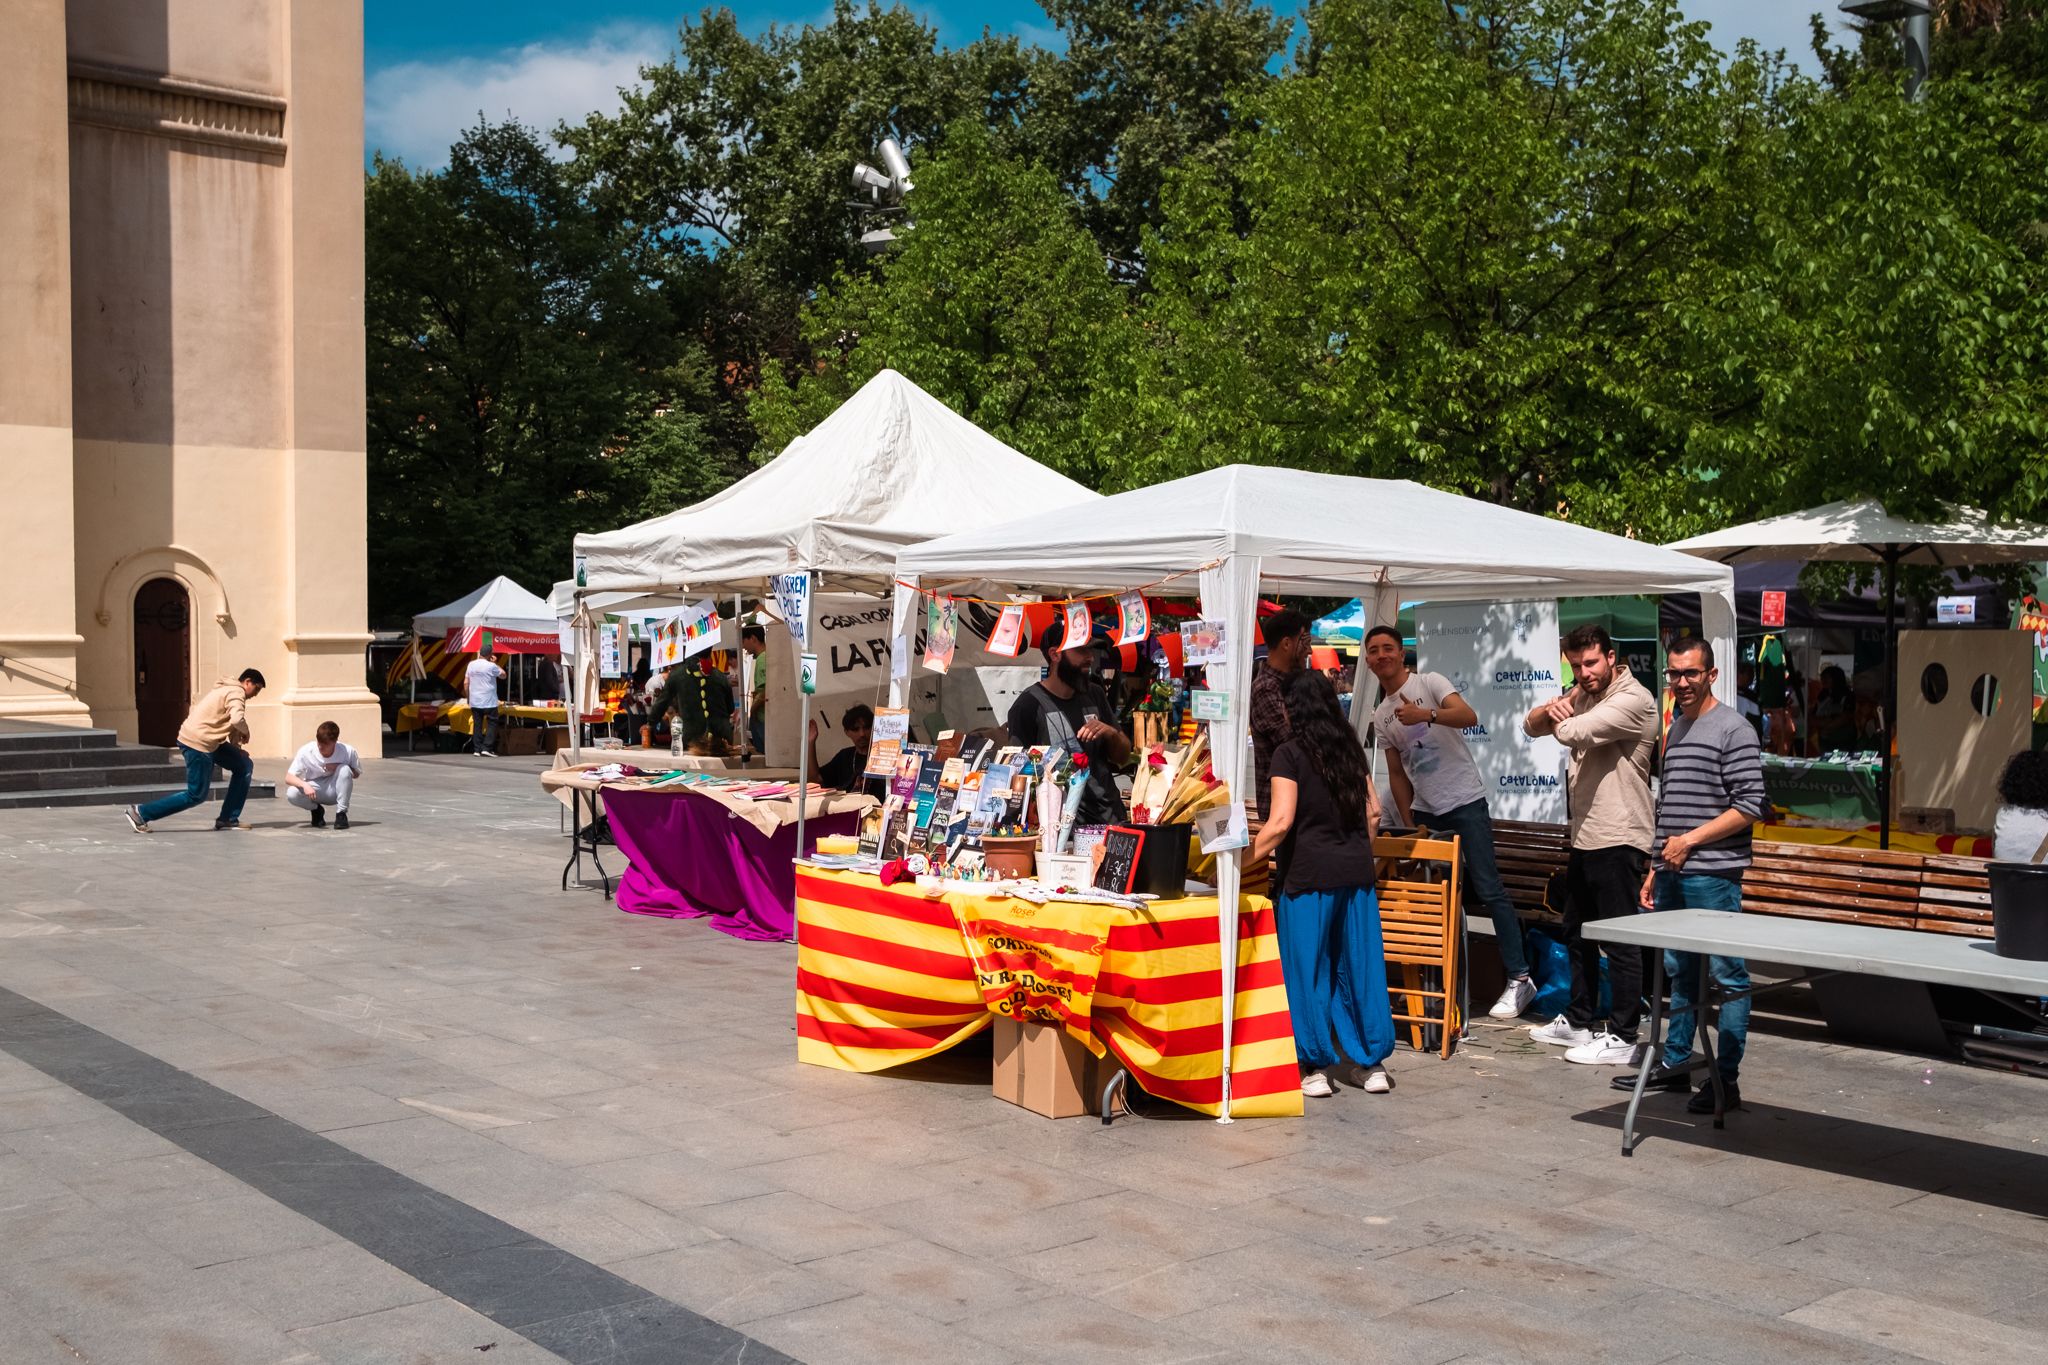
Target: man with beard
{"x":1608,"y":724}
{"x":1711,"y":794}
{"x":1066,"y":708}
{"x":1287,"y":647}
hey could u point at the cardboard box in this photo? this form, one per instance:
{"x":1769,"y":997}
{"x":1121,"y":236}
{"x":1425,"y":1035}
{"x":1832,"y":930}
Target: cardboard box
{"x":554,"y":739}
{"x":518,"y":739}
{"x":1039,"y":1067}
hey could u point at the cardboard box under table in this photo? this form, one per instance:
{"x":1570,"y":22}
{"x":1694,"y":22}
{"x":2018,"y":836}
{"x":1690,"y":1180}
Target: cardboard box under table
{"x":889,"y":975}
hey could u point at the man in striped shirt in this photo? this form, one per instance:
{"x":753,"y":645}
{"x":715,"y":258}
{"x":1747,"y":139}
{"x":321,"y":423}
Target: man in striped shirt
{"x":1711,"y":792}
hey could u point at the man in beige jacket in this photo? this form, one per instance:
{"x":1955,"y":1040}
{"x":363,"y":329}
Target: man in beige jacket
{"x":213,"y":734}
{"x":1608,"y":723}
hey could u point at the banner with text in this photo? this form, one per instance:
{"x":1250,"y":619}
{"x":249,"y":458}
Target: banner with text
{"x":1037,"y":964}
{"x":1503,"y":658}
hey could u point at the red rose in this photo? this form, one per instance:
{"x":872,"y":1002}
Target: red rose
{"x":1081,"y":761}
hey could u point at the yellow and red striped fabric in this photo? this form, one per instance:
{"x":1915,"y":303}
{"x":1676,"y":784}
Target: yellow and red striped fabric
{"x":434,"y":658}
{"x":884,"y":977}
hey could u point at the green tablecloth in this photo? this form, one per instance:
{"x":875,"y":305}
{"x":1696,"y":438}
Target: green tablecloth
{"x":1818,"y":789}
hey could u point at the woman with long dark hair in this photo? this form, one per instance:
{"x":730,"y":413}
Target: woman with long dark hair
{"x":1322,"y":818}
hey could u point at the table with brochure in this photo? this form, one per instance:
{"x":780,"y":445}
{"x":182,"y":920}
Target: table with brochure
{"x":706,"y":844}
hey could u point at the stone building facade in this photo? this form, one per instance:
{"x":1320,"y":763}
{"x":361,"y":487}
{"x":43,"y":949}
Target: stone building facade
{"x":181,"y":362}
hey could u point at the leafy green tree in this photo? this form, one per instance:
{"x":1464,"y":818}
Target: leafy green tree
{"x":1467,"y":228}
{"x":1889,"y":335}
{"x":997,"y":302}
{"x":511,"y":343}
{"x":1140,"y":90}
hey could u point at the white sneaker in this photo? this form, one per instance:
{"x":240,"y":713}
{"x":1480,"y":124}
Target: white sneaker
{"x":1520,"y":994}
{"x":1560,"y":1033}
{"x":1316,"y":1086}
{"x":1607,"y":1050}
{"x":1377,"y":1081}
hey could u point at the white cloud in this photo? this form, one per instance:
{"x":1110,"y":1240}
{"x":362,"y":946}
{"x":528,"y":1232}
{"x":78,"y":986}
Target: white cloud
{"x":415,"y":110}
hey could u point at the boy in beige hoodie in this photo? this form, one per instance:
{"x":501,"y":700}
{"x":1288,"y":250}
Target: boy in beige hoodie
{"x":212,"y":735}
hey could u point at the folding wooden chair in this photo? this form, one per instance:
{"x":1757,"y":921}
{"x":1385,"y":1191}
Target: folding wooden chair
{"x":1419,"y":924}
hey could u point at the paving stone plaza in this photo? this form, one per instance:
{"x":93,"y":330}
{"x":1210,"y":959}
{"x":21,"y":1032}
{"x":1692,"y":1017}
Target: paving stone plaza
{"x":392,"y":1096}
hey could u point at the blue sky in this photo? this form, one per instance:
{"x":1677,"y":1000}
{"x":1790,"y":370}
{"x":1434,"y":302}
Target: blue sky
{"x":433,"y":65}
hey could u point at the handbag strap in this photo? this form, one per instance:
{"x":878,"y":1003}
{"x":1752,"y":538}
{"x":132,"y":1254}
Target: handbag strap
{"x":2040,"y":852}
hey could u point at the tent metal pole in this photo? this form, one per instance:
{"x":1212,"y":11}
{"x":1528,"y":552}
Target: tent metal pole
{"x":1891,"y":694}
{"x":803,"y":743}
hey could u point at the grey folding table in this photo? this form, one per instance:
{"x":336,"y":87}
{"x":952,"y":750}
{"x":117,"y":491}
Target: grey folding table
{"x":1820,"y":947}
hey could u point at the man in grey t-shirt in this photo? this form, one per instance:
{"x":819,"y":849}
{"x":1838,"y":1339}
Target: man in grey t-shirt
{"x":1710,"y":793}
{"x":1421,"y":729}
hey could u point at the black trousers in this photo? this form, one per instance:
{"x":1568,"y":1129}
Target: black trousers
{"x":1602,"y":883}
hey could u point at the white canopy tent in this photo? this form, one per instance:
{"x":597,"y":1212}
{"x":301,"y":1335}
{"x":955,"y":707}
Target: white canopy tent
{"x":1237,"y":529}
{"x":1863,"y":532}
{"x":499,"y":604}
{"x":890,"y":467}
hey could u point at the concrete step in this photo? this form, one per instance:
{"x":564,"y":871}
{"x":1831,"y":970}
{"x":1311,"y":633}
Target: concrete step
{"x":15,"y":760}
{"x":112,"y":775}
{"x":122,"y":796}
{"x":18,"y":735}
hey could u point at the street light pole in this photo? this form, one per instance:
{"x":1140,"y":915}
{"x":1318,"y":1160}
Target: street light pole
{"x":1916,"y":34}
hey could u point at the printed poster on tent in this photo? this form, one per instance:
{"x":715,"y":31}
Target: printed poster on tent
{"x":1503,"y":658}
{"x":1134,"y":619}
{"x":941,"y":633}
{"x":1007,"y":638}
{"x":793,"y":600}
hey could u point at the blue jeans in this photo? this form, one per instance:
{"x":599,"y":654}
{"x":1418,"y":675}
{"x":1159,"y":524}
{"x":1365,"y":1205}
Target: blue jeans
{"x":1473,"y":825}
{"x":483,"y":729}
{"x":1677,"y":891}
{"x":1335,"y":969}
{"x":199,"y":767}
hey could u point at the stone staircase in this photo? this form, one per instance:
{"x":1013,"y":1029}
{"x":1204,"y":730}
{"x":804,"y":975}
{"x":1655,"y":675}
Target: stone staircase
{"x":51,"y":765}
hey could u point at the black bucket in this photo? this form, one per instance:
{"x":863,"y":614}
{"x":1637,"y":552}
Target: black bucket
{"x":2019,"y":910}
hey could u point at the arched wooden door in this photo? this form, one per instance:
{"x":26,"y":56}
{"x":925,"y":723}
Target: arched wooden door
{"x":163,"y":660}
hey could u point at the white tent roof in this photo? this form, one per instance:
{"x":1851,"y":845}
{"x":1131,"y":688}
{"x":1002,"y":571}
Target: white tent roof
{"x":1314,"y":533}
{"x":1863,"y":531}
{"x":499,"y":604}
{"x":891,"y":467}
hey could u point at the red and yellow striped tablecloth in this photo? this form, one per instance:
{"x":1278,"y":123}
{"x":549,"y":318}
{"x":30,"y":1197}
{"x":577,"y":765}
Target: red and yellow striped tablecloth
{"x":884,"y":978}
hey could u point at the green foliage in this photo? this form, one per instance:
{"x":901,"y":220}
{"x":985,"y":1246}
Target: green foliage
{"x":1466,"y":229}
{"x":998,"y":303}
{"x":509,"y":340}
{"x":1888,"y":337}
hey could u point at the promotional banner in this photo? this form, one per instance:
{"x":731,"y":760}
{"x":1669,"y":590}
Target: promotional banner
{"x":700,"y":627}
{"x":792,"y":601}
{"x":1503,"y":658}
{"x":609,"y":664}
{"x":1037,"y":964}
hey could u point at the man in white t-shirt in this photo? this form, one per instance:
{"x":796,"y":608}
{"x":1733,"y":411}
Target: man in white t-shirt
{"x":1421,"y":728}
{"x":324,"y":774}
{"x":483,"y":676}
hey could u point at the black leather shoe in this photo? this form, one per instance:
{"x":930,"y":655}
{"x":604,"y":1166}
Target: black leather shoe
{"x":1674,"y":1079}
{"x":341,"y":819}
{"x":1702,"y":1101}
{"x":319,"y":818}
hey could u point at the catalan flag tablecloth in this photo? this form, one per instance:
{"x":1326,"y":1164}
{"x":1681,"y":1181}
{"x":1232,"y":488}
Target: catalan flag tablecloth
{"x":886,"y":977}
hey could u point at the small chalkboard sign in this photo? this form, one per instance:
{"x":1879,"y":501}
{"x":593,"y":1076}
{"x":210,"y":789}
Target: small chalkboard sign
{"x":1122,"y":845}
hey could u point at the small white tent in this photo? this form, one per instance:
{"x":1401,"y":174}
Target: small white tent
{"x":1236,"y":529}
{"x":498,"y":606}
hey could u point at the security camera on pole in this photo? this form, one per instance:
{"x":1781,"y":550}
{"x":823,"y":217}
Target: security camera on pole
{"x":881,"y":194}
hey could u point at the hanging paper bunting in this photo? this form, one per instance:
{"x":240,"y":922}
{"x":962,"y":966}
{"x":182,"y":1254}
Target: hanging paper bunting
{"x":1134,"y":619}
{"x":1007,"y":638}
{"x":942,"y":628}
{"x":1078,"y":626}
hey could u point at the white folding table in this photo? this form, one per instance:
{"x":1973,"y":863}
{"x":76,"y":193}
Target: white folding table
{"x":1820,"y":947}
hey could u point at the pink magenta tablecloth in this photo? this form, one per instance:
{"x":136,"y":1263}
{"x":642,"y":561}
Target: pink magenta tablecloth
{"x":688,"y":857}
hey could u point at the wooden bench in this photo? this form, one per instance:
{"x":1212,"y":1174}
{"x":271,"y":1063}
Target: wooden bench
{"x":1888,"y":889}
